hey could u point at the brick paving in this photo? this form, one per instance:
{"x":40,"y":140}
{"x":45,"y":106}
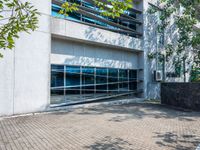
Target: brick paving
{"x":104,"y":127}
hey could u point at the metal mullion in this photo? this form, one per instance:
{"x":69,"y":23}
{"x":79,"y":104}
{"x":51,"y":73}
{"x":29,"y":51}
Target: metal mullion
{"x":107,"y":79}
{"x":95,"y":88}
{"x":81,"y":83}
{"x":91,"y":84}
{"x":137,"y":84}
{"x":81,"y":16}
{"x":65,"y":83}
{"x":137,"y":78}
{"x":93,"y":67}
{"x":128,"y":80}
{"x":118,"y":81}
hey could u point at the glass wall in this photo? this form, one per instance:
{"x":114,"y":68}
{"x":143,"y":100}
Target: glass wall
{"x":101,"y":82}
{"x":71,"y":84}
{"x":57,"y":84}
{"x":88,"y":82}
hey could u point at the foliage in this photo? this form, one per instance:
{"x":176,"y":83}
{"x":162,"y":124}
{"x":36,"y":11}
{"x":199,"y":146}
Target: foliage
{"x":68,"y":7}
{"x":15,"y":17}
{"x":187,"y":15}
{"x":109,"y":8}
{"x":195,"y":73}
{"x":117,"y":7}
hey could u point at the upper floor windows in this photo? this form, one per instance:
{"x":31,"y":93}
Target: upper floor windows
{"x":128,"y":23}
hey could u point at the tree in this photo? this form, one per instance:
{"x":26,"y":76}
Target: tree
{"x":109,"y":8}
{"x":15,"y":17}
{"x":187,"y":16}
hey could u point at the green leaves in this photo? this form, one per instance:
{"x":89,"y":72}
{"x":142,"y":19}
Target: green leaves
{"x":186,"y":14}
{"x":113,"y":8}
{"x":108,"y":8}
{"x":15,"y":17}
{"x":68,"y":7}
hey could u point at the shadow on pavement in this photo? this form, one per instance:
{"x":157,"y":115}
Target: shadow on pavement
{"x":171,"y":140}
{"x":136,"y":111}
{"x":109,"y":143}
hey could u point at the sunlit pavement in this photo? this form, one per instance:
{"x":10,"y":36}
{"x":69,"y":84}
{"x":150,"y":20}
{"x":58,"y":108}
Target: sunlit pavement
{"x":104,"y":127}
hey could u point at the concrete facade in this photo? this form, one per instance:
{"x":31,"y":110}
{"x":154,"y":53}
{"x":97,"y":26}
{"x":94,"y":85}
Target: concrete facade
{"x":25,"y":78}
{"x":151,"y":43}
{"x":25,"y":71}
{"x":83,"y":54}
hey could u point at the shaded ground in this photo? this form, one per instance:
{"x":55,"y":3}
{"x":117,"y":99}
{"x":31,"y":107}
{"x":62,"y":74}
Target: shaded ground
{"x":113,"y":127}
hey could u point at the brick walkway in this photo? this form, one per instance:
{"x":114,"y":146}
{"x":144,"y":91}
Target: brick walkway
{"x":125,"y":127}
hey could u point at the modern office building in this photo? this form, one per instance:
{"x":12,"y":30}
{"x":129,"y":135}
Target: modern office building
{"x":79,"y":58}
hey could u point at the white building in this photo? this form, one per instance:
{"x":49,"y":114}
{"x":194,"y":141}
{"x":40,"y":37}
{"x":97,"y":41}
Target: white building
{"x":82,"y":57}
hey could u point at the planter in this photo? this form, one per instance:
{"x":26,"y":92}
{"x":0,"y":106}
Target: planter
{"x":183,"y":95}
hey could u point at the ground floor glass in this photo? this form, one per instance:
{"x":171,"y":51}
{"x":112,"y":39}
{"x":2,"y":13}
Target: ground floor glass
{"x":71,"y":84}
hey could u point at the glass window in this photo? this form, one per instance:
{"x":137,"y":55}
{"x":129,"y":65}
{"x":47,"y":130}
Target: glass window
{"x":57,"y":76}
{"x":101,"y":81}
{"x":133,"y":74}
{"x":112,"y":81}
{"x":72,"y":83}
{"x":133,"y":85}
{"x":93,"y":17}
{"x":133,"y":80}
{"x":57,"y":84}
{"x":123,"y":80}
{"x":88,"y":82}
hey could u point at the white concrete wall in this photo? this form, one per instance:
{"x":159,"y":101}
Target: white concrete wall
{"x":7,"y":83}
{"x":152,"y":89}
{"x":76,"y":53}
{"x":25,"y":70}
{"x":151,"y":44}
{"x":77,"y":31}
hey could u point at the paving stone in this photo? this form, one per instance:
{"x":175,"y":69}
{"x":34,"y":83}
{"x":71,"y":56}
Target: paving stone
{"x":104,"y":127}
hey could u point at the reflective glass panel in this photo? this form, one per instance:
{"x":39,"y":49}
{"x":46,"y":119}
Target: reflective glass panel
{"x":112,"y":81}
{"x":133,"y":80}
{"x":123,"y":80}
{"x":57,"y":84}
{"x":101,"y":82}
{"x":88,"y":84}
{"x":72,"y":83}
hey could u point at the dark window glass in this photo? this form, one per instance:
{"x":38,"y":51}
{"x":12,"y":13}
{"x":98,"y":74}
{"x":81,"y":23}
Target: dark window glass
{"x":88,"y":78}
{"x":133,"y":86}
{"x":113,"y":80}
{"x":101,"y":80}
{"x":133,"y":74}
{"x":93,"y":16}
{"x":123,"y":80}
{"x":74,"y":1}
{"x":133,"y":80}
{"x":57,"y":84}
{"x":72,"y":80}
{"x":74,"y":15}
{"x":133,"y":15}
{"x":71,"y":84}
{"x":57,"y":76}
{"x":132,"y":26}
